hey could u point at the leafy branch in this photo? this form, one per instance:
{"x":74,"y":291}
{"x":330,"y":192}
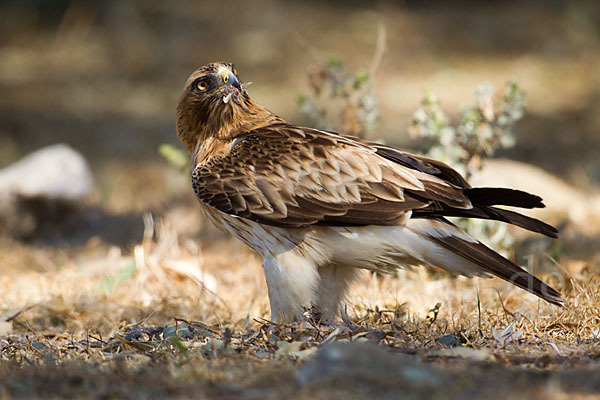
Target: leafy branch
{"x":481,"y":130}
{"x":339,"y":99}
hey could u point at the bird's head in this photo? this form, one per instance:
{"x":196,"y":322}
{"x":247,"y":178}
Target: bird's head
{"x":213,"y":102}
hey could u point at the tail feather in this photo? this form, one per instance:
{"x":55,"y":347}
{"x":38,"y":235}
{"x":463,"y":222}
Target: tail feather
{"x":523,"y":221}
{"x":488,"y":196}
{"x":493,"y":213}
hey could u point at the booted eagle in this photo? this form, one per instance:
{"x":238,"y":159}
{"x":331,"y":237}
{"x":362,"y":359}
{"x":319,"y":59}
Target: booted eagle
{"x":317,"y":206}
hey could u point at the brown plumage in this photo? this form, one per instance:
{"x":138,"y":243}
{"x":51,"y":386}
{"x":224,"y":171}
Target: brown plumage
{"x":301,"y":196}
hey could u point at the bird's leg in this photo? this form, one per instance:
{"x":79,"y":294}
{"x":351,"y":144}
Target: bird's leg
{"x":292,"y":281}
{"x":335,"y":280}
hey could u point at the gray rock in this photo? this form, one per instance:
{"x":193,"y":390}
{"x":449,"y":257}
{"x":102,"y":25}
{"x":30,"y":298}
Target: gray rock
{"x":43,"y":188}
{"x":55,"y":172}
{"x":355,"y":363}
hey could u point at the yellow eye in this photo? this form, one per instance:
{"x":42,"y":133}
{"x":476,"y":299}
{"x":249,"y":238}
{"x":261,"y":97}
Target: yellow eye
{"x":201,"y":86}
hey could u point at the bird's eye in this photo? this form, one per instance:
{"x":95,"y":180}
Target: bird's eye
{"x":202,"y":85}
{"x":234,"y":70}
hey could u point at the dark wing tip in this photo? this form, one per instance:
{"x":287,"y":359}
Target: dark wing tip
{"x":495,"y":264}
{"x":523,"y":221}
{"x":489,"y":196}
{"x":527,"y":281}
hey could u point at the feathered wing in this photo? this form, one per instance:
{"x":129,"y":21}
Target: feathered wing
{"x":483,"y":199}
{"x":287,"y":176}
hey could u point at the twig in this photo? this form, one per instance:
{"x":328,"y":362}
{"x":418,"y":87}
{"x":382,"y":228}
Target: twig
{"x":504,"y":308}
{"x":380,"y":49}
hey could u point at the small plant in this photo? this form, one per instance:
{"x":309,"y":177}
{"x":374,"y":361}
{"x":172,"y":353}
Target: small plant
{"x":174,"y":156}
{"x":481,"y":130}
{"x":339,"y":100}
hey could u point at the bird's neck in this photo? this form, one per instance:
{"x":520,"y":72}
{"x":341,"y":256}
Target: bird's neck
{"x":204,"y":135}
{"x":245,"y":117}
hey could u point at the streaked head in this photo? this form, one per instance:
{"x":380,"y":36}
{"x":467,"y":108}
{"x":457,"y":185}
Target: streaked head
{"x":214,"y":81}
{"x":212,"y":97}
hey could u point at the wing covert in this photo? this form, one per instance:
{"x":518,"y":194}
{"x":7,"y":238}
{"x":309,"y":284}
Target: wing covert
{"x":288,"y":176}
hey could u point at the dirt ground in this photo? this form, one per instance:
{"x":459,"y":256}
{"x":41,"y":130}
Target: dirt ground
{"x":171,"y":319}
{"x":132,"y":295}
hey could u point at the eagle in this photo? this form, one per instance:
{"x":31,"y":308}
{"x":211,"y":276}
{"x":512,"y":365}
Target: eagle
{"x":318,"y":206}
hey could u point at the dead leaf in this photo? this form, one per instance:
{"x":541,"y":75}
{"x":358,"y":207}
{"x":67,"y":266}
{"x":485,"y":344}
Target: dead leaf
{"x":506,"y":335}
{"x":469,"y":353}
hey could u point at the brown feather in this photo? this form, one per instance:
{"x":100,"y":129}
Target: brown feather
{"x":493,"y":263}
{"x":370,"y":192}
{"x":249,"y":163}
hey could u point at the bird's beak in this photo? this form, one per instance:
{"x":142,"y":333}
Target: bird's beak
{"x":230,"y":79}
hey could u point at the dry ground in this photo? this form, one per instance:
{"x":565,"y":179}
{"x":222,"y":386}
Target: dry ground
{"x":175,"y":319}
{"x":89,"y":309}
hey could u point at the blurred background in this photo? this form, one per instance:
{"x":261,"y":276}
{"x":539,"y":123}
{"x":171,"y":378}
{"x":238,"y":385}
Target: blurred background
{"x":104,"y":77}
{"x":101,"y":236}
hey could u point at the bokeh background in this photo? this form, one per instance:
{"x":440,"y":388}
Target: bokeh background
{"x":89,"y":290}
{"x":104,"y":77}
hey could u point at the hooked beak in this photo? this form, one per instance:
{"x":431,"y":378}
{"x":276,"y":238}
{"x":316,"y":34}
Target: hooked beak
{"x":230,"y":79}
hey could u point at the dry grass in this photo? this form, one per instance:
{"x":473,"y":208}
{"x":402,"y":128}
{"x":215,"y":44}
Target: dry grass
{"x":172,"y":319}
{"x":95,"y":321}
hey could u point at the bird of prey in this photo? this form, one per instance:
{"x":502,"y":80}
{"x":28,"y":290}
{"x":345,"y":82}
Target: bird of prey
{"x":318,"y":206}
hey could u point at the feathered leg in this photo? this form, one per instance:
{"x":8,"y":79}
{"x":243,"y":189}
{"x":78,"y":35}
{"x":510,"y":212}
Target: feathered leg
{"x":292,"y":281}
{"x":335,"y":280}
